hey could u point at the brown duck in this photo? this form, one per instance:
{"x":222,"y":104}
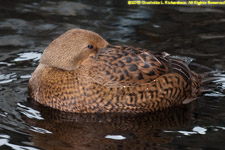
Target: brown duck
{"x":81,"y":72}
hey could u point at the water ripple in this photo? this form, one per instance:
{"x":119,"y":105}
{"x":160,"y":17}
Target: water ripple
{"x":29,"y":112}
{"x":28,"y":56}
{"x":7,"y":78}
{"x":5,"y":141}
{"x":198,"y":130}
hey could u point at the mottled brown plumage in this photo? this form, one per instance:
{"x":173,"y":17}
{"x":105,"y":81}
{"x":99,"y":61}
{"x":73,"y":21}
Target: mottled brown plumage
{"x":80,"y":72}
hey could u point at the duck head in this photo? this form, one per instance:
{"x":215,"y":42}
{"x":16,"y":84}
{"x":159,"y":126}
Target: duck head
{"x":69,"y":50}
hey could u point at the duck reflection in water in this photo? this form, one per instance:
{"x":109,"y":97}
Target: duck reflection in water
{"x":69,"y":131}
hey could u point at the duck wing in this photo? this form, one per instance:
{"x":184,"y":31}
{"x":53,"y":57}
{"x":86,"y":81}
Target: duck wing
{"x":129,"y":66}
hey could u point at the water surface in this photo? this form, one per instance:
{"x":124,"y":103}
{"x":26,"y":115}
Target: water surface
{"x":193,"y":33}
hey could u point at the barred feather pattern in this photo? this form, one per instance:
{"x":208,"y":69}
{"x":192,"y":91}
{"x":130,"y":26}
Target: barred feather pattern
{"x":117,"y":79}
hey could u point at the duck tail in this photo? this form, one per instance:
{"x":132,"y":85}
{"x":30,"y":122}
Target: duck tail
{"x":209,"y":77}
{"x":200,"y":81}
{"x":196,"y":81}
{"x":196,"y":85}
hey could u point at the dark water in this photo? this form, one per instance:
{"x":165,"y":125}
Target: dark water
{"x":194,"y":33}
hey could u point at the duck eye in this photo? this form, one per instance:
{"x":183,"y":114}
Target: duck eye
{"x":90,"y":46}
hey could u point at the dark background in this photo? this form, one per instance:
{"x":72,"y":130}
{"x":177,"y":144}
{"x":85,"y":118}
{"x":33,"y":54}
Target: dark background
{"x":194,"y":33}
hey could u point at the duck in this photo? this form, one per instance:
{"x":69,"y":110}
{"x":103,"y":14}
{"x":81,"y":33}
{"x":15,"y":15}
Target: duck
{"x":80,"y":72}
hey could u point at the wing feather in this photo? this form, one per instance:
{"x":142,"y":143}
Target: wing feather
{"x":128,"y":66}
